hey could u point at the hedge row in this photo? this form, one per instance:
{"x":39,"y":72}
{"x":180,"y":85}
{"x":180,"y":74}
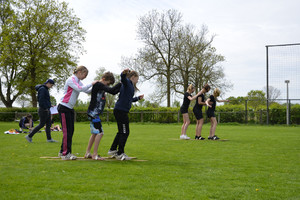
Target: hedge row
{"x":225,"y":114}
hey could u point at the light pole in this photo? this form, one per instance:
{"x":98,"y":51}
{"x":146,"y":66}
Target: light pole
{"x":287,"y":102}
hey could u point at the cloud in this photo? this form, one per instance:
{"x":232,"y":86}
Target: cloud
{"x":243,"y":29}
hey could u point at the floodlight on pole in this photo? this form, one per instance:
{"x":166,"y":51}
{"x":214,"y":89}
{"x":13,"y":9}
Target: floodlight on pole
{"x":287,"y":102}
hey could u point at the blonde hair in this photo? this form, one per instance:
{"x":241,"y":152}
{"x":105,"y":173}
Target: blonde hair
{"x":131,"y":74}
{"x":217,"y":92}
{"x":81,"y":69}
{"x":190,"y":88}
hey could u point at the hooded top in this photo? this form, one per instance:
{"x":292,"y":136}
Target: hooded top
{"x":43,"y":96}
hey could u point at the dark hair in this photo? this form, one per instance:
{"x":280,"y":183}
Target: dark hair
{"x":29,"y":116}
{"x":206,"y":87}
{"x":108,"y":76}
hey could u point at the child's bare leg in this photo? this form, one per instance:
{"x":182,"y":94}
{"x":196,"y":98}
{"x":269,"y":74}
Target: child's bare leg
{"x":211,"y":127}
{"x":96,"y":145}
{"x":90,"y":144}
{"x":199,"y":126}
{"x":186,"y":123}
{"x":214,"y":126}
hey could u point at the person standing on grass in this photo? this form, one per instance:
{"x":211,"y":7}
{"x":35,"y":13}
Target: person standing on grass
{"x":96,"y":108}
{"x":184,"y":110}
{"x":129,"y":80}
{"x":198,"y":112}
{"x":44,"y":110}
{"x":211,"y":103}
{"x":73,"y":86}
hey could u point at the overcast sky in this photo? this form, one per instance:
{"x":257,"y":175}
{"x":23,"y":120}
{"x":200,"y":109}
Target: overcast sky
{"x":242,"y":29}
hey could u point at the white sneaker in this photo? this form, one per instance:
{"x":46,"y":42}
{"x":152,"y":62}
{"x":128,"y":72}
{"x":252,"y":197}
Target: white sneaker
{"x":184,"y":137}
{"x":69,"y":156}
{"x":123,"y":156}
{"x":112,"y":153}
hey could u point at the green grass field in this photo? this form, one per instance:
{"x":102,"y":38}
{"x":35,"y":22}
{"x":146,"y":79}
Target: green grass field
{"x":257,"y":162}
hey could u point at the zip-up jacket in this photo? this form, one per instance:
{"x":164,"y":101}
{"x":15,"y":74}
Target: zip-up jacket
{"x":126,"y":94}
{"x":72,"y":88}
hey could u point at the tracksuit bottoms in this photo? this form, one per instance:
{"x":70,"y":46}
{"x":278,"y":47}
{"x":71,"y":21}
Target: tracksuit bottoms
{"x":123,"y":131}
{"x":67,"y":122}
{"x":45,"y":118}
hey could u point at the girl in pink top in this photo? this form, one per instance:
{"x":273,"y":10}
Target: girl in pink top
{"x":72,"y":88}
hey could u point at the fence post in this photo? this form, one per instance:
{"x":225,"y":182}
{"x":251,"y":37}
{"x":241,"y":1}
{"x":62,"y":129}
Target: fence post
{"x":260,"y":116}
{"x":246,"y":112}
{"x":142,"y":116}
{"x":178,"y":116}
{"x":107,"y":115}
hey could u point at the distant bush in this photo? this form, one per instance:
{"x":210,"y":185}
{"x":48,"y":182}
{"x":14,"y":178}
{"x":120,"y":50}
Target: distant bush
{"x":224,"y":113}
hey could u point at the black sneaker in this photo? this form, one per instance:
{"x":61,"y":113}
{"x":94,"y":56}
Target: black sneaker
{"x":210,"y":138}
{"x":215,"y":137}
{"x":201,"y":138}
{"x":196,"y":137}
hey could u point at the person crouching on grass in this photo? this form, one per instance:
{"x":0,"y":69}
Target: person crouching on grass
{"x":211,"y":103}
{"x":129,"y":80}
{"x":200,"y":101}
{"x":96,"y":108}
{"x":184,"y":110}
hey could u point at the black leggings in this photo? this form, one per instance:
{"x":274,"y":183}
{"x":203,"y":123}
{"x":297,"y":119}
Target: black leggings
{"x":123,"y":131}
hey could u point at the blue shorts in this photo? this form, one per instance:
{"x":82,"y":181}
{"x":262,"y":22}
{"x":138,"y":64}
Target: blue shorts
{"x":96,"y":126}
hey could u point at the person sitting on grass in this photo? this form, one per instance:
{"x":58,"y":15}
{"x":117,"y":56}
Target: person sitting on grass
{"x":26,"y":122}
{"x":96,"y":108}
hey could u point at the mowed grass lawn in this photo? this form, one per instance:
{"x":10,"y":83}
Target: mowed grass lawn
{"x":257,"y":162}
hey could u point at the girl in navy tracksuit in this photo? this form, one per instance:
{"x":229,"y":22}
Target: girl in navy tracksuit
{"x":129,"y":80}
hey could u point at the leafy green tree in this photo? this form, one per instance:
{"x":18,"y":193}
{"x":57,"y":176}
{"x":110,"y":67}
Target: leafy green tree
{"x":256,"y":98}
{"x":45,"y":40}
{"x":236,"y":100}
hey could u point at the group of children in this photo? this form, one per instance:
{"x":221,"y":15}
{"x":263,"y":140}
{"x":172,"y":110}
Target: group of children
{"x":73,"y":87}
{"x":126,"y":89}
{"x":197,"y":110}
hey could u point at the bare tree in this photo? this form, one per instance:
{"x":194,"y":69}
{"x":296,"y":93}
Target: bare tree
{"x":274,"y":93}
{"x":190,"y":48}
{"x":156,"y":58}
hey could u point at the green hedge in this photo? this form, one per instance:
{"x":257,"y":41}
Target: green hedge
{"x":224,"y":113}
